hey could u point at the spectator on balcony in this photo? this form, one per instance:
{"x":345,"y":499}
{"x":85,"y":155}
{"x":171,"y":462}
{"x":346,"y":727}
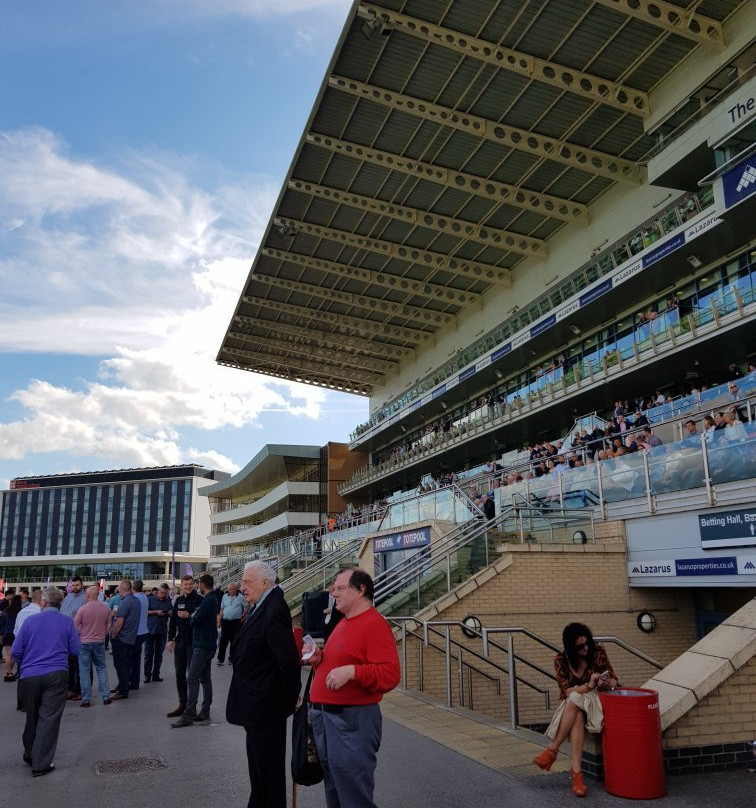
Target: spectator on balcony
{"x":734,"y":372}
{"x":735,"y":431}
{"x":648,"y":440}
{"x":488,"y":506}
{"x":719,"y":421}
{"x":640,"y":419}
{"x":691,"y":430}
{"x":709,"y":428}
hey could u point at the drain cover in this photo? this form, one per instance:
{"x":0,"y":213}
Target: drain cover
{"x":129,"y":765}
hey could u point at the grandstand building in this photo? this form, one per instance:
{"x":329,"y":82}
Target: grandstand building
{"x":127,"y":523}
{"x":281,"y":492}
{"x":501,"y":219}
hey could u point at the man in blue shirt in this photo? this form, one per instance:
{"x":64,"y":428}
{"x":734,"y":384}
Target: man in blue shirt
{"x":72,"y":602}
{"x":158,"y":611}
{"x":42,"y":648}
{"x":135,"y":655}
{"x":229,"y":619}
{"x":123,"y":635}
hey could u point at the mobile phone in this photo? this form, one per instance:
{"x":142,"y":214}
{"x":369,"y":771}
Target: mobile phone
{"x":604,"y":675}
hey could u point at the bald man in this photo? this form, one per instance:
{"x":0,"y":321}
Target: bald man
{"x":92,"y":622}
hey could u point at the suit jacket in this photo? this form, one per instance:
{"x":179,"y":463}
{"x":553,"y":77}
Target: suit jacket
{"x":266,"y":681}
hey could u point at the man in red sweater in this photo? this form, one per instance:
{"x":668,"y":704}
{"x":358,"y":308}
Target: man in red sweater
{"x":358,"y":664}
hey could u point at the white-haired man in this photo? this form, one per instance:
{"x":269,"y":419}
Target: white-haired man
{"x":265,"y":684}
{"x":42,"y":648}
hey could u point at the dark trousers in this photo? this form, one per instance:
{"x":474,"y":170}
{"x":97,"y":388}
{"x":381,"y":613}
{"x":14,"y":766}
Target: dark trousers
{"x":182,"y":658}
{"x":154,"y":644}
{"x":266,"y":759}
{"x":200,"y":671}
{"x":121,"y":652}
{"x":74,"y":683}
{"x":348,"y":744}
{"x":44,"y":698}
{"x":228,"y":632}
{"x":135,"y":662}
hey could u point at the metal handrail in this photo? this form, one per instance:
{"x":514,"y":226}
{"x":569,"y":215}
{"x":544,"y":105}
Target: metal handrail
{"x":407,"y":571}
{"x":488,"y":643}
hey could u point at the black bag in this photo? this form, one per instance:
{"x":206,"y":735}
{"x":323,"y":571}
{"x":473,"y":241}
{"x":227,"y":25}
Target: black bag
{"x":305,"y":764}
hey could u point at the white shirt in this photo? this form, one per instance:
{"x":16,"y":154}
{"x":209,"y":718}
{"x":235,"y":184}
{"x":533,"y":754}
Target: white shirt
{"x":28,"y":610}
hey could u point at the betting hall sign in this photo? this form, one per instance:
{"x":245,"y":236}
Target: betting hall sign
{"x":728,"y":528}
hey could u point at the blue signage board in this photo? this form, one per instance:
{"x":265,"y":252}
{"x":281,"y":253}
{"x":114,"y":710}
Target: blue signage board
{"x":438,"y":391}
{"x":739,"y":182}
{"x":663,"y":249}
{"x":721,"y":565}
{"x":467,"y":373}
{"x":601,"y":289}
{"x":728,"y":528}
{"x":406,"y":540}
{"x":503,"y":351}
{"x":542,"y":326}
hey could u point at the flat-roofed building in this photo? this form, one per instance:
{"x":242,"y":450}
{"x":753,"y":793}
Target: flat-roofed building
{"x":105,"y":524}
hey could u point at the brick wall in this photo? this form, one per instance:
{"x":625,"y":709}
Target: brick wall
{"x":716,"y":733}
{"x":546,"y":587}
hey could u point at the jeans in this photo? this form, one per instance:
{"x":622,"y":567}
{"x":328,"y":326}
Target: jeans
{"x":200,"y":671}
{"x":154,"y":644}
{"x":135,"y":662}
{"x":228,"y":632}
{"x":121,"y":653}
{"x":182,"y":659}
{"x":93,"y":652}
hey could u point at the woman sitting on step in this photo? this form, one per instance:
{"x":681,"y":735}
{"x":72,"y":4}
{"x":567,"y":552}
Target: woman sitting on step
{"x":581,"y":670}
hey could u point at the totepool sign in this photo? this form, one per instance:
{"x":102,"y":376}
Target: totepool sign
{"x":402,"y":541}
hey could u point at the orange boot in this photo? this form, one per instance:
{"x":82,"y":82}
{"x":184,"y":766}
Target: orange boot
{"x":546,"y":759}
{"x":578,"y":786}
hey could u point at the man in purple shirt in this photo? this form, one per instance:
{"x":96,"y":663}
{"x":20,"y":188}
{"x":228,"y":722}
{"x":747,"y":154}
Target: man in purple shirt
{"x":42,"y":648}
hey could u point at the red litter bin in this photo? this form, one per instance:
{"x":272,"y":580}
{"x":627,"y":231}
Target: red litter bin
{"x":633,"y":759}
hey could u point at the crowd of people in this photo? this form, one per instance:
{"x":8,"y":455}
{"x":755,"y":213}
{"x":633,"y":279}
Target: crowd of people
{"x":62,"y":646}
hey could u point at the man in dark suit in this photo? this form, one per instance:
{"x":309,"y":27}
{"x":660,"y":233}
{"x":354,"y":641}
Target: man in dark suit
{"x":265,"y":683}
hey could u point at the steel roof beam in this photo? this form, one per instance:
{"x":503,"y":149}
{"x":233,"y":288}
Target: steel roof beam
{"x":603,"y":91}
{"x":392,"y":353}
{"x":358,"y":324}
{"x":326,"y":368}
{"x":376,"y":305}
{"x":433,"y":291}
{"x":673,"y":19}
{"x":462,"y":229}
{"x":553,"y":207}
{"x":355,"y":360}
{"x":563,"y":152}
{"x":313,"y":376}
{"x":488,"y":273}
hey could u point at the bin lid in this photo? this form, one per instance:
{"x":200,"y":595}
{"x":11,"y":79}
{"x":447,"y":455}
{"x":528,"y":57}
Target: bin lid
{"x":630,"y":691}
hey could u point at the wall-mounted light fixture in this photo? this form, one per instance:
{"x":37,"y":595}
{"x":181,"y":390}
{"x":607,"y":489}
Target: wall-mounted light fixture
{"x":579,"y":537}
{"x":471,"y":626}
{"x":646,"y":622}
{"x":575,"y":330}
{"x":694,"y":261}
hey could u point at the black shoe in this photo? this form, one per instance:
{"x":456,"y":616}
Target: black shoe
{"x":118,"y":696}
{"x":42,"y":772}
{"x":27,"y":759}
{"x":184,"y":721}
{"x":203,"y":716}
{"x":147,"y":680}
{"x":157,"y":679}
{"x":177,"y":712}
{"x":220,"y":663}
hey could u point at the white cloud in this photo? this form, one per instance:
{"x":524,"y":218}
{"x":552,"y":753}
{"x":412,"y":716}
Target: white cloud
{"x":143,"y":268}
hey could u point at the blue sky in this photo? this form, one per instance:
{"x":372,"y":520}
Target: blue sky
{"x":142,"y":146}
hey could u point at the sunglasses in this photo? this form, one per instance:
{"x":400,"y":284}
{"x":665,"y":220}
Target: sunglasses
{"x":580,"y":646}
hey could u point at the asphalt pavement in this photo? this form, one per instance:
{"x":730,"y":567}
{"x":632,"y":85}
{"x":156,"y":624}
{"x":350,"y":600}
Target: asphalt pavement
{"x":128,"y":752}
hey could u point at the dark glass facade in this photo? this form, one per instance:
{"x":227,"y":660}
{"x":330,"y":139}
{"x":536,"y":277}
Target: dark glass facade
{"x":123,"y":517}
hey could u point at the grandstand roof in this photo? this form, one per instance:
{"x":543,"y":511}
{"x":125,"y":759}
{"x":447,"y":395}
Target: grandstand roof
{"x":447,"y":145}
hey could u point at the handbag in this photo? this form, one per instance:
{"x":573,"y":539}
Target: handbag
{"x":305,"y":763}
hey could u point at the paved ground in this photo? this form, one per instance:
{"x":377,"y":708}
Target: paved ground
{"x":430,"y":757}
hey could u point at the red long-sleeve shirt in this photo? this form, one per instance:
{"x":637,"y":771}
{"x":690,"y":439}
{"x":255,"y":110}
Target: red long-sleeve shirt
{"x":365,"y":641}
